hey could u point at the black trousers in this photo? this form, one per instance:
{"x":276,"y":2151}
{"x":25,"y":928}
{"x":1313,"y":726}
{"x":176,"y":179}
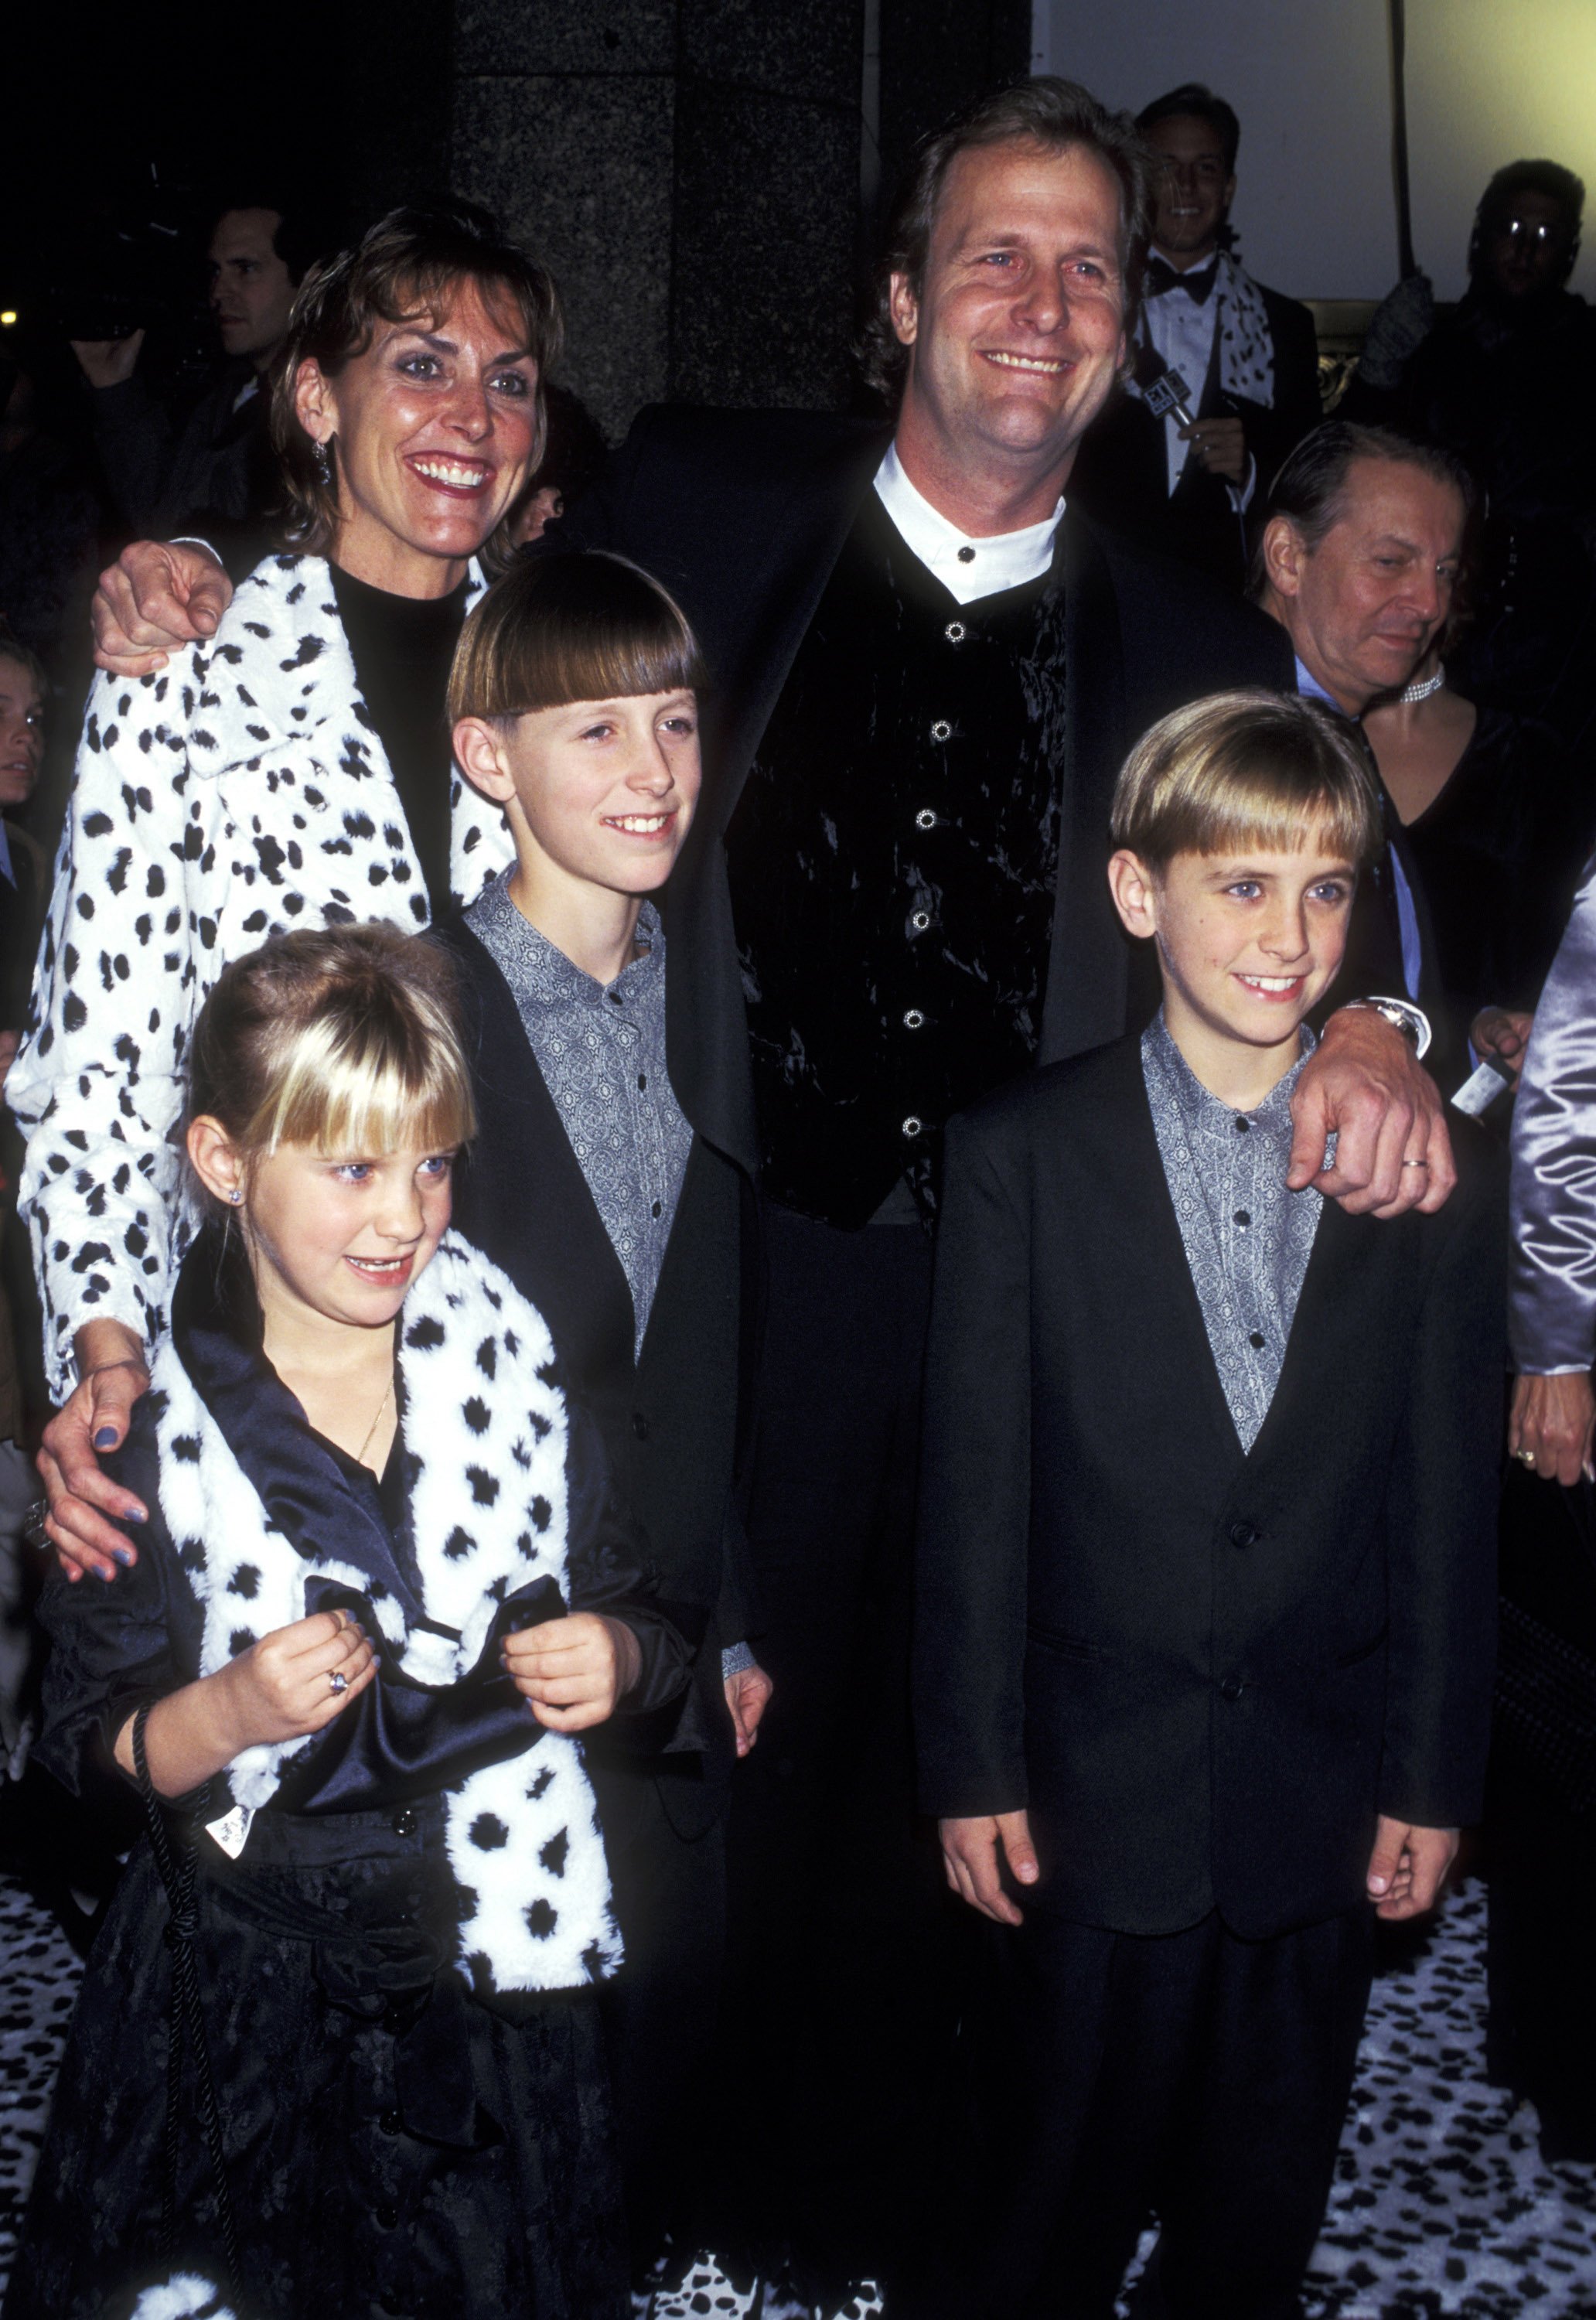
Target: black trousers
{"x":843,"y":1993}
{"x":1192,"y":2073}
{"x":665,"y":1840}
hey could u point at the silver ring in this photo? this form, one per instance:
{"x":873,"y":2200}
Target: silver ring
{"x":339,"y":1681}
{"x":1525,"y":1457}
{"x":34,"y":1522}
{"x":1416,"y":1164}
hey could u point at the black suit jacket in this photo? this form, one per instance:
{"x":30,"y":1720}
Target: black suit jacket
{"x":1205,"y":1671}
{"x":742,"y":515}
{"x":669,"y":1415}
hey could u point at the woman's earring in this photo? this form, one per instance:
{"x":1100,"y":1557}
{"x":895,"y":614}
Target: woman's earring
{"x":323,"y":455}
{"x":235,"y":1196}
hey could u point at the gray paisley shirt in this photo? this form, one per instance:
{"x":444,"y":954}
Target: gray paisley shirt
{"x":1248,"y":1240}
{"x":601,"y":1049}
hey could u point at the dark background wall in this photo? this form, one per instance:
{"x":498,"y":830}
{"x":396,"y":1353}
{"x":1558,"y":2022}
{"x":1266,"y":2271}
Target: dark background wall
{"x":700,"y":174}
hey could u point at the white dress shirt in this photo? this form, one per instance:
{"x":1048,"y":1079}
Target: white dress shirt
{"x":967,"y":567}
{"x":1182,"y":333}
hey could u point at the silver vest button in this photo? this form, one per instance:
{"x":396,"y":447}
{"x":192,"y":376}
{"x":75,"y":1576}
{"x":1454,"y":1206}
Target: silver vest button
{"x":912,"y":1125}
{"x":913,"y":1019}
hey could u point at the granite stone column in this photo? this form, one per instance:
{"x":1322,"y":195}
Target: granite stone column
{"x":689,"y":169}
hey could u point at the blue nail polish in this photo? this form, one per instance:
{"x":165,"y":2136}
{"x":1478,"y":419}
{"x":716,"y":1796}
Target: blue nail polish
{"x":106,"y":1440}
{"x":124,"y":1555}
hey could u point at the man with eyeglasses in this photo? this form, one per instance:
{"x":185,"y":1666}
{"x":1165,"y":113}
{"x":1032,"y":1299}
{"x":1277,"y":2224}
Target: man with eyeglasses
{"x":1185,"y":479}
{"x":1506,"y":381}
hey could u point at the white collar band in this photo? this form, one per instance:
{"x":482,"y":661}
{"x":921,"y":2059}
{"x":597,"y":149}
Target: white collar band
{"x":967,"y":567}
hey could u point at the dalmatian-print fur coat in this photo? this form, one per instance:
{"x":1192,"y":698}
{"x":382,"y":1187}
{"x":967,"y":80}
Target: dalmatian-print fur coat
{"x":485,"y":1430}
{"x":240,"y":791}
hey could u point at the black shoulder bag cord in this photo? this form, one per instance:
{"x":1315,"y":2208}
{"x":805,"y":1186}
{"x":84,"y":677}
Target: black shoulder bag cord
{"x":178,"y":1872}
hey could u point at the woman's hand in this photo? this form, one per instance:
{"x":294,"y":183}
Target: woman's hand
{"x":747,"y":1696}
{"x":1550,"y":1425}
{"x":281,"y":1688}
{"x":93,"y":1419}
{"x":1503,"y":1033}
{"x":572,"y":1671}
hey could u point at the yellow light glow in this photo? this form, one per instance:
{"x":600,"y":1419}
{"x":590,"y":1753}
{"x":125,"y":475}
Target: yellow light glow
{"x":8,"y":317}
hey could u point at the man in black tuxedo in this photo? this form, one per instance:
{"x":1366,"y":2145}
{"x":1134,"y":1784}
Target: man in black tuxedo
{"x":1248,"y":358}
{"x":927,"y":676}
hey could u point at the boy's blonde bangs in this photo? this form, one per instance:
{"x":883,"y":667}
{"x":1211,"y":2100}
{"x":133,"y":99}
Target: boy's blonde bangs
{"x":363,"y":1091}
{"x":1247,"y":770}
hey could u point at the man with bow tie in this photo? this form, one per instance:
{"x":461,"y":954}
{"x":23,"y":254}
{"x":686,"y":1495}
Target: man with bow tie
{"x":1247,"y":357}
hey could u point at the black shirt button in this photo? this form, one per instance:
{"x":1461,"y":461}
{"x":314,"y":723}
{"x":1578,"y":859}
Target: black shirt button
{"x":1244,"y":1216}
{"x":386,"y":2217}
{"x":955,"y":632}
{"x":941,"y":730}
{"x":392,"y":2123}
{"x":1232,"y":1688}
{"x":404,"y":1822}
{"x":1243,"y":1126}
{"x":1245,"y":1533}
{"x":639,"y":1425}
{"x":654,"y":1211}
{"x":616,"y":999}
{"x":642,"y":1079}
{"x":925,"y":819}
{"x":966,"y":555}
{"x":1255,"y":1337}
{"x":912,"y":1019}
{"x":913,"y":1125}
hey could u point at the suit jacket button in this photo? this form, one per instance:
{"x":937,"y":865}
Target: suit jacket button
{"x":404,"y":1822}
{"x":388,"y":2217}
{"x":1245,"y":1533}
{"x":391,"y":2123}
{"x":639,"y":1425}
{"x":1232,"y":1688}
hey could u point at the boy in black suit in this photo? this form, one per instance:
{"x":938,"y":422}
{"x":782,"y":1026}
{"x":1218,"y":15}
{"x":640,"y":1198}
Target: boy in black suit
{"x":574,"y":702}
{"x":1206,"y":1587}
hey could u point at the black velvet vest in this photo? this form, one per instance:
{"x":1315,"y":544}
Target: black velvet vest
{"x":892,"y":862}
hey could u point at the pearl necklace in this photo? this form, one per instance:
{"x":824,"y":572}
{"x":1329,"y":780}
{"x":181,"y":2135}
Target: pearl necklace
{"x":1425,"y":686}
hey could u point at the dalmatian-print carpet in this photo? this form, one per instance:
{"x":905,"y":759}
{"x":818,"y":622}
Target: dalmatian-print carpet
{"x":1442,"y":2204}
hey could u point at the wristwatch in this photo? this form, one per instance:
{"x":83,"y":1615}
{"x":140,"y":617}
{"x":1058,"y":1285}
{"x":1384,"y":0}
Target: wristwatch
{"x":1403,"y":1016}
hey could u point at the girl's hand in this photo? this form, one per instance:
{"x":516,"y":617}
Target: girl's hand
{"x":572,"y":1671}
{"x":282,"y":1687}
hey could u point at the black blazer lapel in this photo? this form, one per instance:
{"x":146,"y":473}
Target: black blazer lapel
{"x":523,"y":1199}
{"x":820,"y":499}
{"x":1087,"y":969}
{"x":706,"y":1029}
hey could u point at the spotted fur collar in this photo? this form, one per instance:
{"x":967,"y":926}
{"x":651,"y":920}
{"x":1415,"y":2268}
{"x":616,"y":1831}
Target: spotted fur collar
{"x":485,"y":1429}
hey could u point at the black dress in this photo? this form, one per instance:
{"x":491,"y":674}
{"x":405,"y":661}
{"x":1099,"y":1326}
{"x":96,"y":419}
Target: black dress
{"x":396,"y":2143}
{"x":1500,"y":850}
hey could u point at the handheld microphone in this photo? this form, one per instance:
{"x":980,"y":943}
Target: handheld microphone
{"x":1162,"y":389}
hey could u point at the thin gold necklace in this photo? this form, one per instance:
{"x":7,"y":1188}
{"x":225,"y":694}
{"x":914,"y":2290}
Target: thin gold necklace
{"x":371,"y":1429}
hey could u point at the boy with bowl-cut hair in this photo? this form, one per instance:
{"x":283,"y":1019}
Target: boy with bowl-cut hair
{"x":1204,"y":1622}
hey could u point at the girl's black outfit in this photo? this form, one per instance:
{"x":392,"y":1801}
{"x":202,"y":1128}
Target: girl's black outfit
{"x":403,"y":2136}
